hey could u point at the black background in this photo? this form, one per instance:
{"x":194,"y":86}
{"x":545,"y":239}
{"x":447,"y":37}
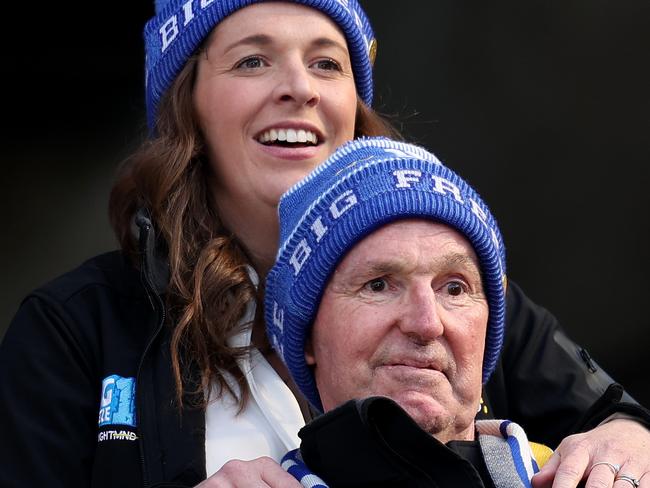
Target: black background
{"x":542,"y":105}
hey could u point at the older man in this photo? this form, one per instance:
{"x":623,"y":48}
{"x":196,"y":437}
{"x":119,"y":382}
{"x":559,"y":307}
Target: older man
{"x":405,"y":316}
{"x":391,"y":282}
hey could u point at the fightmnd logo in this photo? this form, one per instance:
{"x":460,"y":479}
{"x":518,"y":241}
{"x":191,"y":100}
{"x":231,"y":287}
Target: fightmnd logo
{"x":117,"y":404}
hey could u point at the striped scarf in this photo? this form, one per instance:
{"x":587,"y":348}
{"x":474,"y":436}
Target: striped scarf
{"x":508,"y":455}
{"x":510,"y":458}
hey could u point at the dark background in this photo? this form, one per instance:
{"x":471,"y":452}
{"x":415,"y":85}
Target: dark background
{"x":542,"y":105}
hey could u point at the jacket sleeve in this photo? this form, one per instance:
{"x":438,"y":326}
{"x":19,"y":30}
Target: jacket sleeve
{"x":48,"y":400}
{"x":546,"y":382}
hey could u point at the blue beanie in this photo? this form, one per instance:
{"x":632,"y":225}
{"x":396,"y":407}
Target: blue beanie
{"x":364,"y":185}
{"x":180,"y":26}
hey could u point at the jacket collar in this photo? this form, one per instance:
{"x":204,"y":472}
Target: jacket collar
{"x":153,"y":250}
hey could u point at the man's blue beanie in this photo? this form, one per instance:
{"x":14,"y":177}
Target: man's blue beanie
{"x":364,"y":185}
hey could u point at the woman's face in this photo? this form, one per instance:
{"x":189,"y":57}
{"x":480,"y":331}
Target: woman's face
{"x":274,"y":95}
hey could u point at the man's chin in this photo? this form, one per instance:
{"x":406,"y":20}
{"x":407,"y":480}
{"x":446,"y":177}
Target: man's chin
{"x":428,"y":413}
{"x":434,"y":417}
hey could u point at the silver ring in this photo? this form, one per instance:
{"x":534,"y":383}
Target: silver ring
{"x":624,"y":477}
{"x":614,"y":467}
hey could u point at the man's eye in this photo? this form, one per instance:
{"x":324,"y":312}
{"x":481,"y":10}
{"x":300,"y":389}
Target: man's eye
{"x":454,"y":288}
{"x":251,"y":63}
{"x":377,"y":285}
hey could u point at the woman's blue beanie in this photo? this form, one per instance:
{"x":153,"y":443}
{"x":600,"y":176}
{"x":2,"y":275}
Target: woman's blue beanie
{"x":180,"y":27}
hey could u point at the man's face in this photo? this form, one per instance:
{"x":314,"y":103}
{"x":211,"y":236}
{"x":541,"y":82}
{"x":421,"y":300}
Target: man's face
{"x":404,"y":316}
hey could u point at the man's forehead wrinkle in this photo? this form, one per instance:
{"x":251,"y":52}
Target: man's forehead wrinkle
{"x":411,"y":263}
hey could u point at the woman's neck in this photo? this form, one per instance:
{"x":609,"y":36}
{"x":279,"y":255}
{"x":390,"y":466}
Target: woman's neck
{"x":256,"y":229}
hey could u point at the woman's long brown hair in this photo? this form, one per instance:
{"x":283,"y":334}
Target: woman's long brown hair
{"x":209,"y":286}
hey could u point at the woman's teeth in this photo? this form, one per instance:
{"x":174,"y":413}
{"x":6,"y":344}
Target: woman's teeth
{"x":288,"y":135}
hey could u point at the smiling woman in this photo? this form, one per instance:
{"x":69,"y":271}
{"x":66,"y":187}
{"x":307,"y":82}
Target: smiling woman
{"x":194,"y":211}
{"x":270,"y":73}
{"x":248,"y":78}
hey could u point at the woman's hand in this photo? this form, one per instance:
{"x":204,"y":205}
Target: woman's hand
{"x":260,"y":472}
{"x":595,"y":456}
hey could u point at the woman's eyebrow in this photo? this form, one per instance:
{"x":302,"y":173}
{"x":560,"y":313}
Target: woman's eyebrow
{"x":265,"y":40}
{"x":252,"y":40}
{"x":327,"y":42}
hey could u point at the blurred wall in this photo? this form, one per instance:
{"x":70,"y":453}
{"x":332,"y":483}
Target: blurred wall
{"x":543,"y":106}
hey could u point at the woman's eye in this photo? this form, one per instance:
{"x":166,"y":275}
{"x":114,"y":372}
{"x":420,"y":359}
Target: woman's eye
{"x":455,"y":288}
{"x":377,"y":285}
{"x":251,"y":63}
{"x":327,"y":65}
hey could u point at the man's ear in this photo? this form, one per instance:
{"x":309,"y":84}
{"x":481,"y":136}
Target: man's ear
{"x":310,"y":359}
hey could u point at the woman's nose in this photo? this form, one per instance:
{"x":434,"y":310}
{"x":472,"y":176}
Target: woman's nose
{"x":420,"y":317}
{"x":297,"y":85}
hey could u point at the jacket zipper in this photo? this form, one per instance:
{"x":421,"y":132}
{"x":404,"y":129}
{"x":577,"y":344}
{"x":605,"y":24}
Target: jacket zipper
{"x":158,"y":305}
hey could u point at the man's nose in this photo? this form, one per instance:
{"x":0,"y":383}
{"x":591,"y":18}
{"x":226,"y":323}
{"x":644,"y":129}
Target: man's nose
{"x":297,"y":85}
{"x":420,"y":317}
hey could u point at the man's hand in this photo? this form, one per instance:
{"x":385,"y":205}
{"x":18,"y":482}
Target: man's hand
{"x":260,"y":472}
{"x":622,"y":443}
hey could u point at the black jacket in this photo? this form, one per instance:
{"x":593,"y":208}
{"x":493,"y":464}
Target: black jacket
{"x":105,"y":319}
{"x":373,"y":443}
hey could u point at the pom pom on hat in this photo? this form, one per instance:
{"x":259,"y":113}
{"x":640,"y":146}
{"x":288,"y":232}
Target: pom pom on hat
{"x":365,"y":184}
{"x":180,"y":26}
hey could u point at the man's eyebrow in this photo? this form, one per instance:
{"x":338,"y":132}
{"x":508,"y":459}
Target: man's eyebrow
{"x":379,"y":268}
{"x":442,"y":263}
{"x":449,"y":260}
{"x":455,"y":261}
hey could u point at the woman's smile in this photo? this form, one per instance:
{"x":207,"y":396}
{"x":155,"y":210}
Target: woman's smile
{"x":291,"y":140}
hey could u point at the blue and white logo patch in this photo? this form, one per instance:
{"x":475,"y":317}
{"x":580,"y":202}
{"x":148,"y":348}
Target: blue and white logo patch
{"x":117,"y":404}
